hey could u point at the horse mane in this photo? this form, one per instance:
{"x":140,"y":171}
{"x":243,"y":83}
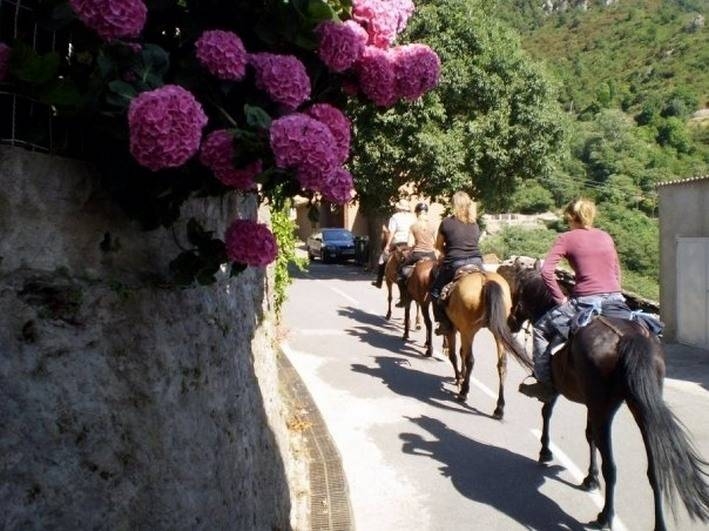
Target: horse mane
{"x":534,"y":292}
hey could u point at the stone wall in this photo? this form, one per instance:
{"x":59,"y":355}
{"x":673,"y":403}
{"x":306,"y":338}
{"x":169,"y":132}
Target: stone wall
{"x":126,"y":403}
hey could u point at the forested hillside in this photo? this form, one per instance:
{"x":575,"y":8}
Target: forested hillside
{"x":633,"y":77}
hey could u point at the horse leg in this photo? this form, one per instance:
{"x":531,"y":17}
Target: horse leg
{"x":545,"y":454}
{"x":407,"y":317}
{"x":429,"y":329}
{"x":418,"y":316}
{"x":388,"y":315}
{"x":502,"y":375}
{"x":590,"y":482}
{"x":467,"y":363}
{"x":453,"y":356}
{"x":601,"y":426}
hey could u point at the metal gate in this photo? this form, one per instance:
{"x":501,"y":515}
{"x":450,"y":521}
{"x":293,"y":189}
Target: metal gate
{"x":693,"y":291}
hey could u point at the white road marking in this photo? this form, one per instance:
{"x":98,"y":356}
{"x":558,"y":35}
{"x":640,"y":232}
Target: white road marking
{"x":575,"y":471}
{"x":343,"y":294}
{"x":321,"y":332}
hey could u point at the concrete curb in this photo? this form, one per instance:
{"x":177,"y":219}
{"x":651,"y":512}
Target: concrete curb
{"x":330,"y":508}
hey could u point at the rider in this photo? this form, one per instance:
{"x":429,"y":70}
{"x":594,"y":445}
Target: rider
{"x":424,"y":242}
{"x":398,"y":236}
{"x":457,"y":241}
{"x":593,"y":257}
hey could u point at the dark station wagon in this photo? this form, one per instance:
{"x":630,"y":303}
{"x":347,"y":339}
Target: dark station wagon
{"x":331,"y":244}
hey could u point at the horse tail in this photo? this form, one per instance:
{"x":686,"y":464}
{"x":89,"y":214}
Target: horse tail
{"x":676,"y":463}
{"x":495,"y":319}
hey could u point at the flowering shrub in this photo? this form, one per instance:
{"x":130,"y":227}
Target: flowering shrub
{"x":283,"y":77}
{"x":341,"y":44}
{"x":5,"y":52}
{"x":222,"y":53}
{"x":158,"y":72}
{"x":165,"y":127}
{"x":112,"y":19}
{"x":251,"y":243}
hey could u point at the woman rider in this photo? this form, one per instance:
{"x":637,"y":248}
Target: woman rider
{"x":397,"y":236}
{"x":424,"y":242}
{"x":592,"y":255}
{"x":457,"y":241}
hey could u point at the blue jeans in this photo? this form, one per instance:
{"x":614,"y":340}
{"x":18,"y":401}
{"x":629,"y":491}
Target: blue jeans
{"x":447,"y":271}
{"x":546,"y":330}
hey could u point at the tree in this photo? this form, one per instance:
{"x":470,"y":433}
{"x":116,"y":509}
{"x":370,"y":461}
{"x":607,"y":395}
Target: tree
{"x":492,"y":122}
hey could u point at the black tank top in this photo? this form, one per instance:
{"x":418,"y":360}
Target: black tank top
{"x":461,"y":239}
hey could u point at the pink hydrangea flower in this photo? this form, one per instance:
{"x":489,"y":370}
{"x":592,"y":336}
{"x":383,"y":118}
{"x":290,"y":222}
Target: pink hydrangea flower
{"x":338,"y":187}
{"x":377,"y":78}
{"x":379,"y":18}
{"x":338,"y":124}
{"x":283,"y":77}
{"x":217,"y":153}
{"x":112,"y":19}
{"x":251,"y":243}
{"x":5,"y":52}
{"x":306,"y":144}
{"x":165,"y":127}
{"x":223,"y":54}
{"x":404,"y":9}
{"x":341,"y":44}
{"x":417,"y":68}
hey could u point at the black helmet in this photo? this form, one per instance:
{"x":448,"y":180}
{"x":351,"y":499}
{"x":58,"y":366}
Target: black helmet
{"x":421,"y":207}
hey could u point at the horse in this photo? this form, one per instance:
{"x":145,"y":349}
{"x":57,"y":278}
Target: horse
{"x":476,"y":300}
{"x":418,"y":285}
{"x":391,"y":273}
{"x":604,"y":363}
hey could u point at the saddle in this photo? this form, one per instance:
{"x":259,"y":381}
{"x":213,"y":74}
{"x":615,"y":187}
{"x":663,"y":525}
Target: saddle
{"x":459,"y":273}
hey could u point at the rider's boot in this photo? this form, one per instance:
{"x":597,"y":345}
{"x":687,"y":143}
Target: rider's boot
{"x":540,"y":390}
{"x":380,"y":276}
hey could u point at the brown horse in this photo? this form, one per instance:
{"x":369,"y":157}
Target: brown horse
{"x":476,"y":300}
{"x":418,"y":285}
{"x":391,"y":273}
{"x":605,"y":363}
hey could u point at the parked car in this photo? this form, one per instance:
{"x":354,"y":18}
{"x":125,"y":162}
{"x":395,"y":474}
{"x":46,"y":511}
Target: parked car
{"x":331,"y":244}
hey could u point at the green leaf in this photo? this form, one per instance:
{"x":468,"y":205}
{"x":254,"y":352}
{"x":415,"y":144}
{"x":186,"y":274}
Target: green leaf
{"x":318,"y":10}
{"x":257,"y":117}
{"x":105,"y":65}
{"x":155,"y":59}
{"x":36,"y":69}
{"x":62,"y":93}
{"x":126,"y":90}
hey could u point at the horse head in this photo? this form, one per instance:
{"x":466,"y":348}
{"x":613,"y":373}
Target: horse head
{"x":530,"y":297}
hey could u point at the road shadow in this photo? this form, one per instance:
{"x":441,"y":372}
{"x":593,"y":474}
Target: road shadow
{"x":687,"y":363}
{"x":487,"y":474}
{"x":398,"y":375}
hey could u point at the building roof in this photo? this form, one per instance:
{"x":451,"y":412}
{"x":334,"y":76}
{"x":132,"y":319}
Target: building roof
{"x":683,"y":181}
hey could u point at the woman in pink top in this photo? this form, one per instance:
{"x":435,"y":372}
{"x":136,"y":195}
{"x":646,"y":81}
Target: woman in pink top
{"x":593,"y":257}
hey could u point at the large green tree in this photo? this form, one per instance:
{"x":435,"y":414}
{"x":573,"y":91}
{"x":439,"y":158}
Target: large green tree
{"x":492,"y":123}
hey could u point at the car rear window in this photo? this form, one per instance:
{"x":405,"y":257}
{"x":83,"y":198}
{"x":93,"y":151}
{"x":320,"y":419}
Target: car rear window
{"x":337,"y":235}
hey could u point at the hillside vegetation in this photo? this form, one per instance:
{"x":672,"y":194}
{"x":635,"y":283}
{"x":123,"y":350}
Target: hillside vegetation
{"x":630,"y":77}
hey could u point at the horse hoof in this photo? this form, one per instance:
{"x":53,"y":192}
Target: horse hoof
{"x":589,"y":483}
{"x":599,"y":523}
{"x":461,"y":398}
{"x":545,"y":456}
{"x":498,"y":414}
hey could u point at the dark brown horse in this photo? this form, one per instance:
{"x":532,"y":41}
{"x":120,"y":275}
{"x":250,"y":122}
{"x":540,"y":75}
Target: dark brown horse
{"x":605,"y":363}
{"x":418,"y":285}
{"x":391,"y":273}
{"x":476,"y":300}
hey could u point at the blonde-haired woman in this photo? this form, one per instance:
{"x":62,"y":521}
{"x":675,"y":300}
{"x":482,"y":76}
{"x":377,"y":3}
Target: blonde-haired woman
{"x":592,"y":255}
{"x":457,"y":241}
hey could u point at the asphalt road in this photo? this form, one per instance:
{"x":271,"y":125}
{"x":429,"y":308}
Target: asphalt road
{"x":416,"y":459}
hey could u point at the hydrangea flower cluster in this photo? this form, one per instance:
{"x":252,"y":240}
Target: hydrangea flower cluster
{"x":417,"y":69}
{"x":217,"y":153}
{"x":250,"y":243}
{"x":223,"y":54}
{"x":338,"y":187}
{"x":341,"y":44}
{"x":283,"y":77}
{"x":306,"y":144}
{"x":377,"y":78}
{"x":338,"y":124}
{"x":165,"y":127}
{"x":112,"y":19}
{"x":5,"y":52}
{"x":379,"y":18}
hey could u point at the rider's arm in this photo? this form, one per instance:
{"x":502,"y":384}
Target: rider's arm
{"x":555,"y":255}
{"x":391,"y":229}
{"x":440,"y":244}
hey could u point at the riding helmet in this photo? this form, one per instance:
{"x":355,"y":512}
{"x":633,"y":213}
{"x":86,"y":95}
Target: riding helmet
{"x":421,"y":207}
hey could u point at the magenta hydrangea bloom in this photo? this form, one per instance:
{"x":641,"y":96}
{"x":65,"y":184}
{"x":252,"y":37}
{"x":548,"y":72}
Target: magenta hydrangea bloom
{"x":283,"y":77}
{"x":223,"y":54}
{"x":112,"y":19}
{"x":165,"y":127}
{"x":417,"y":68}
{"x":305,"y":144}
{"x":341,"y":44}
{"x":338,"y":124}
{"x":404,"y":9}
{"x":217,"y":153}
{"x":250,"y":243}
{"x":377,"y":78}
{"x":338,"y":187}
{"x":379,"y":18}
{"x":5,"y":52}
